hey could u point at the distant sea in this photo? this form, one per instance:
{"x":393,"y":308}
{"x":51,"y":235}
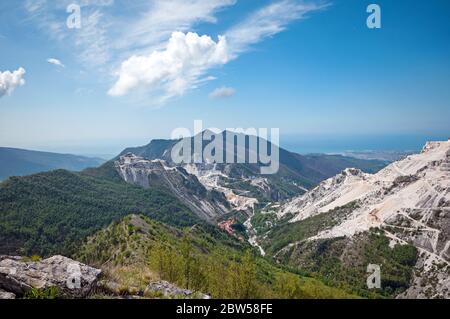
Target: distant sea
{"x":307,"y":144}
{"x":303,"y":144}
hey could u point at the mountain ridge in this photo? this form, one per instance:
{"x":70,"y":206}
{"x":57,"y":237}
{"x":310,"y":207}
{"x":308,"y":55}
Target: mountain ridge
{"x":407,"y":203}
{"x":21,"y":162}
{"x":296,"y":174}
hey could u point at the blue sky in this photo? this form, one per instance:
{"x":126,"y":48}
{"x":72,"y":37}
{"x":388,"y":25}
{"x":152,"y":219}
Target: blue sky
{"x":311,"y":68}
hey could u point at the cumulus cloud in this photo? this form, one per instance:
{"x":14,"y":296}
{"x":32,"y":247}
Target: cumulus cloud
{"x":110,"y":34}
{"x":56,"y":62}
{"x":184,"y":63}
{"x":174,"y":70}
{"x":9,"y":81}
{"x":138,"y":44}
{"x":222,"y":93}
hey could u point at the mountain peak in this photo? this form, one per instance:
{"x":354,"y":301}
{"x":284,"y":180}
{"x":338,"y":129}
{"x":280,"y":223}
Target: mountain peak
{"x":437,"y":146}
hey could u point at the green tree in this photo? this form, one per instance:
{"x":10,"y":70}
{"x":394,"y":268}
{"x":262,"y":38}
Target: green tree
{"x":166,"y":261}
{"x":288,"y":286}
{"x":244,"y":278}
{"x":187,"y":254}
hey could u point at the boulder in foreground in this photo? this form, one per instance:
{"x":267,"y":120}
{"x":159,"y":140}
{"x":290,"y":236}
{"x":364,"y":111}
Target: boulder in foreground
{"x":71,"y":278}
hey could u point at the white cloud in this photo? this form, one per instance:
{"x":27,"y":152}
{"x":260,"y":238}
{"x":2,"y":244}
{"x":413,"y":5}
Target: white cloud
{"x":134,"y":43}
{"x":35,"y":6}
{"x":161,"y":18}
{"x":182,"y":65}
{"x":91,"y":42}
{"x":99,"y":3}
{"x":268,"y":21}
{"x":92,"y":39}
{"x":174,"y":70}
{"x":56,"y":62}
{"x":109,"y":35}
{"x":9,"y":81}
{"x":222,"y":92}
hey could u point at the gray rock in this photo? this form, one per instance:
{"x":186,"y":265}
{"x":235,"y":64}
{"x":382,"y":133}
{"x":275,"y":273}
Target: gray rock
{"x":72,"y":278}
{"x":6,"y":295}
{"x":186,"y":187}
{"x":169,"y":290}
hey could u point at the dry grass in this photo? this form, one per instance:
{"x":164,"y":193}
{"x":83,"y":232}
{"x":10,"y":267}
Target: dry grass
{"x":130,"y":279}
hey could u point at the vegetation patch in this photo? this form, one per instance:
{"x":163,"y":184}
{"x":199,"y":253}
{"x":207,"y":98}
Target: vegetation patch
{"x":342,"y":262}
{"x":51,"y":213}
{"x":287,"y":233}
{"x":198,"y":258}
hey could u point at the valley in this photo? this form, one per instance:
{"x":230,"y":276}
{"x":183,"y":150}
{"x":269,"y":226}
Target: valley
{"x":405,"y":205}
{"x":157,"y":229}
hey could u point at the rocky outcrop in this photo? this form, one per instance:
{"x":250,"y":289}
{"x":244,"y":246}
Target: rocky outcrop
{"x":415,"y":190}
{"x":207,"y":204}
{"x":431,"y":279}
{"x":169,"y":290}
{"x":6,"y":295}
{"x":409,"y":200}
{"x":71,"y":278}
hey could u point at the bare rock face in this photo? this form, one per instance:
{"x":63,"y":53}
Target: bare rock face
{"x":6,"y":295}
{"x":207,"y":204}
{"x":169,"y":290}
{"x":73,"y":279}
{"x":409,"y":200}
